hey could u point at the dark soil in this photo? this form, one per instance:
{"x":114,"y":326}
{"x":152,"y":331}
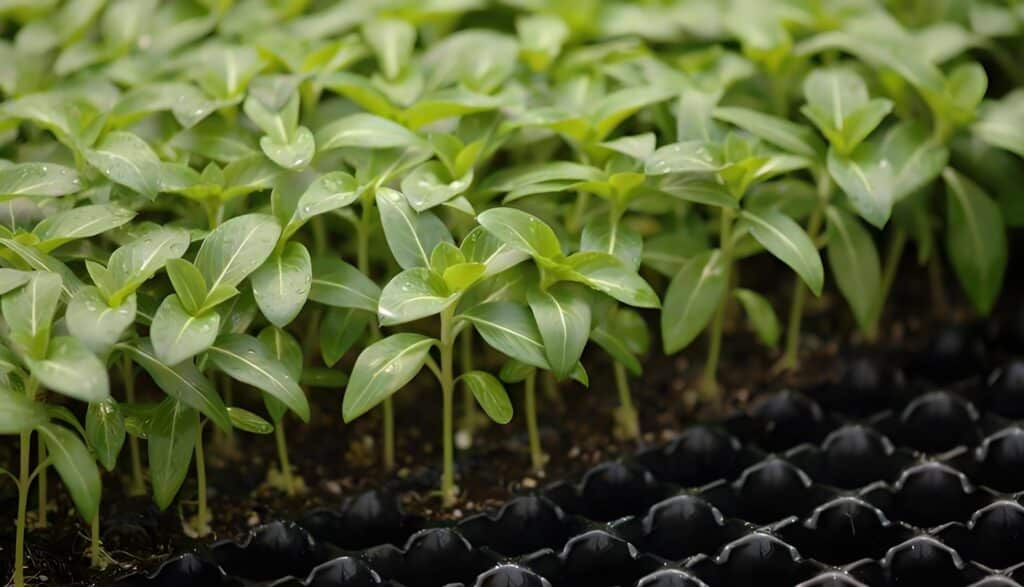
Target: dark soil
{"x":577,"y":426}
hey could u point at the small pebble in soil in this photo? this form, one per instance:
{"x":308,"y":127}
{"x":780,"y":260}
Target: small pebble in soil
{"x":463,"y":440}
{"x":333,"y":487}
{"x":529,"y":482}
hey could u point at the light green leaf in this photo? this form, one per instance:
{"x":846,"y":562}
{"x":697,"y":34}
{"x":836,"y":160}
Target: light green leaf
{"x":521,"y":231}
{"x":1001,"y":123}
{"x":70,"y":369}
{"x":608,"y":274}
{"x":511,"y":329}
{"x":29,"y":312}
{"x":623,"y":335}
{"x":792,"y":137}
{"x":382,"y":369}
{"x":183,"y":382}
{"x":134,"y":263}
{"x":293,"y":155}
{"x":761,"y":315}
{"x":76,"y":468}
{"x":480,"y":246}
{"x":83,"y":222}
{"x":413,"y":294}
{"x":563,"y":317}
{"x":490,"y":394}
{"x":19,"y":414}
{"x":40,"y":180}
{"x":867,"y":179}
{"x":341,"y":328}
{"x":236,"y":248}
{"x":104,"y":427}
{"x":244,"y":358}
{"x":392,"y":42}
{"x":338,"y":284}
{"x":281,"y":285}
{"x":365,"y":131}
{"x":429,"y":185}
{"x":172,"y":439}
{"x":188,"y":283}
{"x":11,"y":279}
{"x":328,"y":192}
{"x":855,"y":265}
{"x":691,"y":300}
{"x":94,"y":322}
{"x":599,"y":234}
{"x":975,"y":240}
{"x":685,"y":157}
{"x":127,"y":160}
{"x":178,"y":335}
{"x":540,"y":39}
{"x":789,"y":243}
{"x":411,"y":236}
{"x":247,"y":421}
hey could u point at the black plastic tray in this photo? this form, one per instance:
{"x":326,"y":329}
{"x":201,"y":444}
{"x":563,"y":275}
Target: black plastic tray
{"x":871,"y":481}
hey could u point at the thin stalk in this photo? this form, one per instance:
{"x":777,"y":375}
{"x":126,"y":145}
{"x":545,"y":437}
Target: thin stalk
{"x":282,"y":455}
{"x":41,"y":488}
{"x":363,"y":263}
{"x":95,"y":548}
{"x":709,"y":381}
{"x":447,"y":391}
{"x":536,"y":453}
{"x":202,"y":517}
{"x":893,"y":255}
{"x":23,"y":487}
{"x":470,"y":415}
{"x":24,"y":484}
{"x":319,"y":235}
{"x":796,"y":309}
{"x":574,"y":223}
{"x":138,"y":486}
{"x":630,"y":418}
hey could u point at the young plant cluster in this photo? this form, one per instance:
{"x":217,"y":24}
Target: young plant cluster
{"x":279,"y":195}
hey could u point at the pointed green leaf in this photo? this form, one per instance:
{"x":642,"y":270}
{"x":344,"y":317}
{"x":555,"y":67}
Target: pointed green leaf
{"x":411,"y":235}
{"x":789,"y":243}
{"x":19,"y":414}
{"x":382,"y":369}
{"x":413,"y":294}
{"x":76,"y":468}
{"x":29,"y":312}
{"x":510,"y":329}
{"x":563,"y":317}
{"x":172,"y":439}
{"x":236,"y":248}
{"x":490,"y":394}
{"x":338,"y":284}
{"x":70,"y":369}
{"x":761,"y":315}
{"x":178,"y":335}
{"x":975,"y":239}
{"x":281,"y":285}
{"x":691,"y":300}
{"x":244,"y":358}
{"x":104,"y":427}
{"x":855,"y":265}
{"x":39,"y":180}
{"x":94,"y":322}
{"x":521,"y":231}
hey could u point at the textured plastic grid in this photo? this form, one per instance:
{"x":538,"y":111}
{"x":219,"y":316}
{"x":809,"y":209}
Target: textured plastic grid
{"x":898,"y":487}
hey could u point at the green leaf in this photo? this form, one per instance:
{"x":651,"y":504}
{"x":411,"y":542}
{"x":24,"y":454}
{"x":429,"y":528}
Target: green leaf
{"x":540,"y":39}
{"x":178,"y":335}
{"x":188,"y":283}
{"x":77,"y":223}
{"x":599,"y":234}
{"x":789,"y":243}
{"x":1000,"y":124}
{"x":915,"y":156}
{"x":699,"y":190}
{"x":563,"y":318}
{"x":70,"y":369}
{"x":183,"y":382}
{"x":461,"y":276}
{"x":328,"y":192}
{"x":761,"y":315}
{"x":104,"y":427}
{"x":98,"y":325}
{"x":236,"y":248}
{"x":281,"y":285}
{"x":365,"y":131}
{"x":392,"y":42}
{"x":69,"y":282}
{"x":413,"y":294}
{"x":517,"y":178}
{"x":249,"y":422}
{"x":411,"y":236}
{"x":38,"y":180}
{"x":521,"y":231}
{"x":29,"y":312}
{"x":480,"y":246}
{"x":430,"y":185}
{"x":341,"y":328}
{"x":293,"y":155}
{"x":490,"y":394}
{"x":790,"y":136}
{"x":382,"y":369}
{"x":975,"y":240}
{"x":19,"y":414}
{"x":867,"y":180}
{"x":244,"y":358}
{"x":76,"y":468}
{"x":127,"y":160}
{"x":338,"y":284}
{"x":685,"y":157}
{"x":623,"y":335}
{"x":855,"y":265}
{"x":692,"y":297}
{"x":607,"y":274}
{"x":510,"y":329}
{"x":11,"y":279}
{"x":172,"y":439}
{"x":134,"y":263}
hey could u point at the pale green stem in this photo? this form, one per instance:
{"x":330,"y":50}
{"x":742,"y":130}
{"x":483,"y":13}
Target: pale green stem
{"x":709,"y":381}
{"x":95,"y":548}
{"x":447,"y":392}
{"x":363,"y":263}
{"x":893,"y":255}
{"x":630,"y":418}
{"x":24,"y":483}
{"x":138,"y":486}
{"x":469,"y":411}
{"x":41,"y":487}
{"x":532,"y":431}
{"x":282,"y":455}
{"x":796,"y":309}
{"x":202,"y":517}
